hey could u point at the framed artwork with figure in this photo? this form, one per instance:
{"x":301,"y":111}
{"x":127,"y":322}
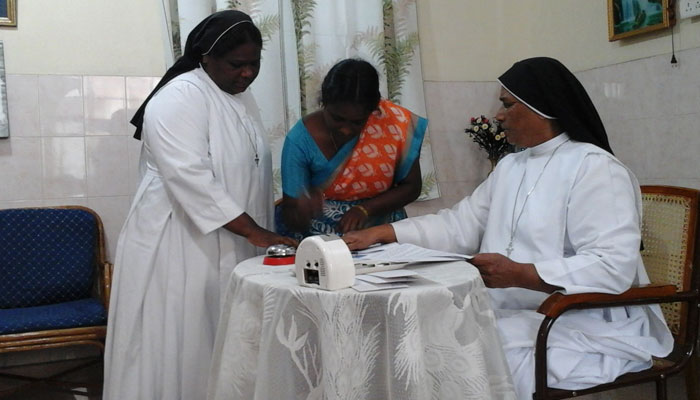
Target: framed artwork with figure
{"x":633,"y":17}
{"x":4,"y":116}
{"x":8,"y":12}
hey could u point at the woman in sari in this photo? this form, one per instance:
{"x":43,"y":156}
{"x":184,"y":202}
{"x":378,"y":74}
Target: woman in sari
{"x":352,"y":164}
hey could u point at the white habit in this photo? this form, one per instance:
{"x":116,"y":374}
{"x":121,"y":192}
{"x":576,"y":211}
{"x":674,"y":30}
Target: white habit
{"x":581,"y":229}
{"x":173,"y":256}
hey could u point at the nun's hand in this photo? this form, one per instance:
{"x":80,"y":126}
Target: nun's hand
{"x":264,"y":238}
{"x":358,"y":240}
{"x":499,"y":271}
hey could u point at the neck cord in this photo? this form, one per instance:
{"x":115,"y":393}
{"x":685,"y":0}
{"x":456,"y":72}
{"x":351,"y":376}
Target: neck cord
{"x":253,"y":140}
{"x":330,"y":133}
{"x":513,"y":221}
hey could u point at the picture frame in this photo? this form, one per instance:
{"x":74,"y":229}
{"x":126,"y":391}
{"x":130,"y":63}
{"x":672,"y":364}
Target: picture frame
{"x":8,"y":12}
{"x":4,"y":114}
{"x":628,"y":18}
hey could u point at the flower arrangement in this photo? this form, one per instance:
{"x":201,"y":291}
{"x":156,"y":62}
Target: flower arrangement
{"x":489,"y":136}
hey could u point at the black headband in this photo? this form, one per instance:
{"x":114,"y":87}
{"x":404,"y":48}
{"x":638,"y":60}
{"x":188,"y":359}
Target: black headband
{"x":549,"y":88}
{"x":199,"y":42}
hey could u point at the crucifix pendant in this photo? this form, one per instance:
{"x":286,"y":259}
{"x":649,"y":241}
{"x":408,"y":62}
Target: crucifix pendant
{"x":257,"y":159}
{"x":509,"y":249}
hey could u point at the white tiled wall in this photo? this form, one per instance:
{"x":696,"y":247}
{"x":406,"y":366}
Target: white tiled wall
{"x":70,"y":141}
{"x":650,"y":108}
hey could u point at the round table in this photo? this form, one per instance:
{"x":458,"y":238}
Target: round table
{"x":436,"y":339}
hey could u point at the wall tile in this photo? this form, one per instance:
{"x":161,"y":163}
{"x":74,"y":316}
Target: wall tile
{"x":64,"y":167}
{"x":20,"y":204}
{"x":61,"y":105}
{"x":450,"y":105}
{"x":137,"y":89}
{"x":451,"y":192}
{"x":107,"y":166}
{"x":457,"y":156}
{"x":70,"y":201}
{"x":20,"y":168}
{"x":23,"y":105}
{"x":105,"y":105}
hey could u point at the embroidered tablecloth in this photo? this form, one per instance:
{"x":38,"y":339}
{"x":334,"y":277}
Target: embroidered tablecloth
{"x":436,"y":339}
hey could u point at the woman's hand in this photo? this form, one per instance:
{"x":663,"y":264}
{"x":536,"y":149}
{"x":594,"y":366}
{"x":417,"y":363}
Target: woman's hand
{"x":358,"y":240}
{"x":310,"y":204}
{"x":298,"y":212}
{"x":354,"y":219}
{"x":499,"y":271}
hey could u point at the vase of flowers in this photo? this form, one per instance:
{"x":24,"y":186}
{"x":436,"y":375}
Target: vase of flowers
{"x":489,"y":135}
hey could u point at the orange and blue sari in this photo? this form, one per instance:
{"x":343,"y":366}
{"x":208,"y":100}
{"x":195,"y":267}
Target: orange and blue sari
{"x":370,"y":164}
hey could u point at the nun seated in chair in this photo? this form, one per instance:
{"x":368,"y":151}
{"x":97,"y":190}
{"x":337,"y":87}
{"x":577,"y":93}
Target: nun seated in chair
{"x":562,"y":215}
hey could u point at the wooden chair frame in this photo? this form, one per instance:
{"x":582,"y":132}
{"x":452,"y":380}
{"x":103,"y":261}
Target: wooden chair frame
{"x":556,"y":304}
{"x":82,"y":336}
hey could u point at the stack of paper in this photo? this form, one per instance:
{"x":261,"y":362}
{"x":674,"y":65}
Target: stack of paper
{"x":394,"y":279}
{"x":404,"y":253}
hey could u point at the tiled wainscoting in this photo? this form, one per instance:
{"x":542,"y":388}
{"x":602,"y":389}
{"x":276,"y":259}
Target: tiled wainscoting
{"x":70,"y":142}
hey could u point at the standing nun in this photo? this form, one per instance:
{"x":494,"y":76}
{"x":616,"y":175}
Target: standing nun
{"x":203,"y":205}
{"x":562,"y":215}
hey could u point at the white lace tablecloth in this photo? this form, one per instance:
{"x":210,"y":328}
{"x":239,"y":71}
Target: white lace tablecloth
{"x":434,"y":340}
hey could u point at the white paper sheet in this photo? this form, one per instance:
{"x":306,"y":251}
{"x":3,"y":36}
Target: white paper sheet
{"x":405,"y":253}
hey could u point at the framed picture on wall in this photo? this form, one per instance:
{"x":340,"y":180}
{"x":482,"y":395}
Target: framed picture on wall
{"x":8,"y":12}
{"x":633,"y":17}
{"x":4,"y":116}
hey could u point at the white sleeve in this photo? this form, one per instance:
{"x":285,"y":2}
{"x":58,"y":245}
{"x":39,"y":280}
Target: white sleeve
{"x":603,"y":228}
{"x":458,"y":229}
{"x":176,"y":126}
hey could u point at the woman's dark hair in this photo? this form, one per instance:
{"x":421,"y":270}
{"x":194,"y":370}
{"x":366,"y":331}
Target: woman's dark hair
{"x":241,"y":34}
{"x":351,"y":81}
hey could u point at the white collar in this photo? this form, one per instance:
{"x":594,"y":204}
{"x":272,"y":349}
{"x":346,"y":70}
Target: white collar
{"x":549,"y":145}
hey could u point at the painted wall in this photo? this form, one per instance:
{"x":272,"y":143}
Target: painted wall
{"x":86,"y":37}
{"x":462,"y":40}
{"x":476,"y":40}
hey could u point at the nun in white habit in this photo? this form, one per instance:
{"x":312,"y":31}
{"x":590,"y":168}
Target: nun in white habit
{"x":204,"y":204}
{"x":562,"y":215}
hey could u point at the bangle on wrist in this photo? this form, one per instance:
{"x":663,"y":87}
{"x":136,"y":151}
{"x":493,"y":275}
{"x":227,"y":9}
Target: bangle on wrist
{"x":363,"y":209}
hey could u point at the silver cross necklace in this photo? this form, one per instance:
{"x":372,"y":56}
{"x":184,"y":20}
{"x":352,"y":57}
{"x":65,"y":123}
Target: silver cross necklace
{"x":513,"y":221}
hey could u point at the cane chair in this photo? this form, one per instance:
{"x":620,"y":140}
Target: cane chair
{"x":54,"y":289}
{"x":671,"y":250}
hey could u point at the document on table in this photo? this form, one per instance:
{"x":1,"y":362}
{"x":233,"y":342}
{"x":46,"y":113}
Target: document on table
{"x":404,"y":253}
{"x":394,"y":279}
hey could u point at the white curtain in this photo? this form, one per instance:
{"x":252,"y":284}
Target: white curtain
{"x":304,"y":38}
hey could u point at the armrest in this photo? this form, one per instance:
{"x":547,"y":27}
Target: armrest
{"x":557,"y":303}
{"x":108,"y":271}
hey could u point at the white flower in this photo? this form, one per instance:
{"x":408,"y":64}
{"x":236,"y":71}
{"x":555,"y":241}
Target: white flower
{"x":492,"y":130}
{"x":478,"y":121}
{"x":485,"y":126}
{"x":475,"y":129}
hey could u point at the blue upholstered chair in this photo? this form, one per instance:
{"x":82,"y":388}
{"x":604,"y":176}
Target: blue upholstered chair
{"x":54,"y":284}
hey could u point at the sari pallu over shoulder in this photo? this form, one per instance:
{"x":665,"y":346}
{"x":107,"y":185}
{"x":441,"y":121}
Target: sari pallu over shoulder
{"x":382,"y":155}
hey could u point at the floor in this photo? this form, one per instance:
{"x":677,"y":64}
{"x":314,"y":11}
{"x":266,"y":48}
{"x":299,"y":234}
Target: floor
{"x":676,"y":386}
{"x":93,"y":373}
